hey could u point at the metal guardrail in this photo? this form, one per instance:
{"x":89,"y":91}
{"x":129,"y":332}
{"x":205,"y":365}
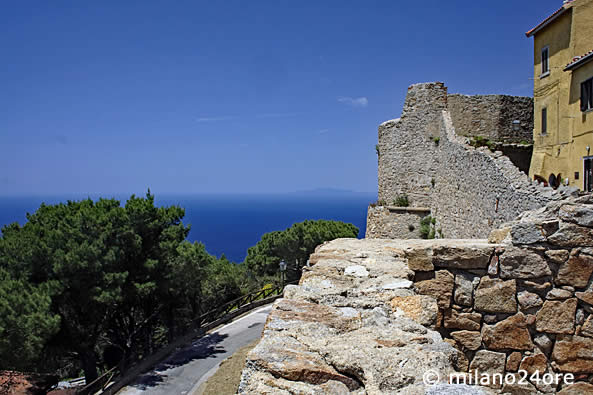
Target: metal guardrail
{"x":204,"y":322}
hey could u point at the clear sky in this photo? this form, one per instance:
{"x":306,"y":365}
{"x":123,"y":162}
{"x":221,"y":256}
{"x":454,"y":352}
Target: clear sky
{"x":231,"y":96}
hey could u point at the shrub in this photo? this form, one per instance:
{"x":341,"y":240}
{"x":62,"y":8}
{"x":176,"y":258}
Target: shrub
{"x":401,"y":201}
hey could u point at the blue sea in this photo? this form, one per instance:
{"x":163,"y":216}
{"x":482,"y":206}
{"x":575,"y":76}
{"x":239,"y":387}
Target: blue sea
{"x":230,"y":224}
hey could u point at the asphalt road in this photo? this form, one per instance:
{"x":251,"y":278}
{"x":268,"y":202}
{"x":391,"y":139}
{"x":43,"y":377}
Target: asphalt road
{"x":183,"y":371}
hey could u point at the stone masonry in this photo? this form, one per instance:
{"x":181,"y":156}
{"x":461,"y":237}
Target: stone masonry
{"x":371,"y":316}
{"x":469,"y":191}
{"x":492,"y":116}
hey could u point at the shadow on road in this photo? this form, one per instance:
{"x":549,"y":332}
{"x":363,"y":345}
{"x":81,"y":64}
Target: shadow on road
{"x":206,"y":347}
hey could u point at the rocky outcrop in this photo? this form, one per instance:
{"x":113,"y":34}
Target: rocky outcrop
{"x":372,"y":316}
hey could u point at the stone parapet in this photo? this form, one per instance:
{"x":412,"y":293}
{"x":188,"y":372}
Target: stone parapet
{"x":522,"y":300}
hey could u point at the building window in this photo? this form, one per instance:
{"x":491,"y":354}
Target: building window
{"x":545,"y":61}
{"x":544,"y":121}
{"x":587,"y":95}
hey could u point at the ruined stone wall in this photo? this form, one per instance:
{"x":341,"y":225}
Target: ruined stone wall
{"x":521,"y":301}
{"x":525,"y":303}
{"x":470,"y":191}
{"x":492,"y":116}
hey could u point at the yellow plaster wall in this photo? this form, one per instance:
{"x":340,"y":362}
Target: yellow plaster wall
{"x":561,"y":150}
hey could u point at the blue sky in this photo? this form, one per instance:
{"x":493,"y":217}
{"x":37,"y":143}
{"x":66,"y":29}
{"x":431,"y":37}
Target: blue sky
{"x":233,"y":96}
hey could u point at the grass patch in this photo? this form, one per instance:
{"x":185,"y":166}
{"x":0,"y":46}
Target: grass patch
{"x":226,"y":379}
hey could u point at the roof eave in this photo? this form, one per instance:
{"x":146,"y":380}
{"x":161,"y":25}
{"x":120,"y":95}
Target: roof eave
{"x":548,"y":20}
{"x":580,"y":62}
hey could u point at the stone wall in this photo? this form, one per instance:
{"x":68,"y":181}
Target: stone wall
{"x":469,"y":190}
{"x":492,"y":116}
{"x":524,"y":303}
{"x":521,"y":301}
{"x":395,"y":222}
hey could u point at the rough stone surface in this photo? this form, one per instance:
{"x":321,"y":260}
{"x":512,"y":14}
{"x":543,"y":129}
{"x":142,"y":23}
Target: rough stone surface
{"x":557,"y":317}
{"x":489,"y":362}
{"x":421,"y":308}
{"x":557,"y":256}
{"x":471,"y":340}
{"x":587,"y":328}
{"x":574,"y":354}
{"x":544,"y":342}
{"x":456,"y":320}
{"x":579,"y":214}
{"x":513,"y":361}
{"x":529,"y":300}
{"x":318,"y":341}
{"x":465,"y":284}
{"x":576,"y":271}
{"x":518,"y":263}
{"x":496,"y":296}
{"x":534,"y":363}
{"x":559,"y":294}
{"x":511,"y":333}
{"x":577,"y":389}
{"x":441,"y":288}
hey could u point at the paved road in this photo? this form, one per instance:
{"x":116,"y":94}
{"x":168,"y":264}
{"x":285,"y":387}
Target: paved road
{"x":184,"y":370}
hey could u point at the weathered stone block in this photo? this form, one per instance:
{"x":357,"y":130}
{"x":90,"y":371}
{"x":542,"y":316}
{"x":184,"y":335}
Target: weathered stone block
{"x":471,"y":340}
{"x":468,"y":321}
{"x":527,"y":233}
{"x":559,"y":294}
{"x":462,"y":257}
{"x":535,"y":363}
{"x":419,"y":259}
{"x":577,"y":389}
{"x":544,"y":342}
{"x":586,"y":296}
{"x":498,"y":235}
{"x":511,"y":333}
{"x":488,"y":362}
{"x":464,"y":288}
{"x":529,"y":300}
{"x":587,"y":328}
{"x":513,"y":361}
{"x":579,"y":214}
{"x":557,"y":317}
{"x":576,"y":271}
{"x":441,"y":287}
{"x":496,"y":296}
{"x":421,"y":308}
{"x":571,"y":235}
{"x":522,"y":263}
{"x":574,"y":354}
{"x":557,"y":256}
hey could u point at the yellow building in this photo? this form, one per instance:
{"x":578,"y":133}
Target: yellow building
{"x":563,"y":97}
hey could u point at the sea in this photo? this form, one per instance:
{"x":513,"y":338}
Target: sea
{"x":229,"y":224}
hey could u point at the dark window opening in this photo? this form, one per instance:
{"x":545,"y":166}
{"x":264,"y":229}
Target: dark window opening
{"x":545,"y":60}
{"x":587,"y":95}
{"x":576,"y":175}
{"x":544,"y":120}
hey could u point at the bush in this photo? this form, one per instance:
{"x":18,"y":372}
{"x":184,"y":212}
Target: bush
{"x":401,"y":201}
{"x":427,"y":230}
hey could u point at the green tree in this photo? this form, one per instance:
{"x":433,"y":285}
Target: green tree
{"x":293,"y":245}
{"x":108,"y":266}
{"x":26,"y":322}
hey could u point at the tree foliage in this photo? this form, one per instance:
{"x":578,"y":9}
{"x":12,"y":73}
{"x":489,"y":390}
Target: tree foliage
{"x":97,"y":274}
{"x":293,"y":245}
